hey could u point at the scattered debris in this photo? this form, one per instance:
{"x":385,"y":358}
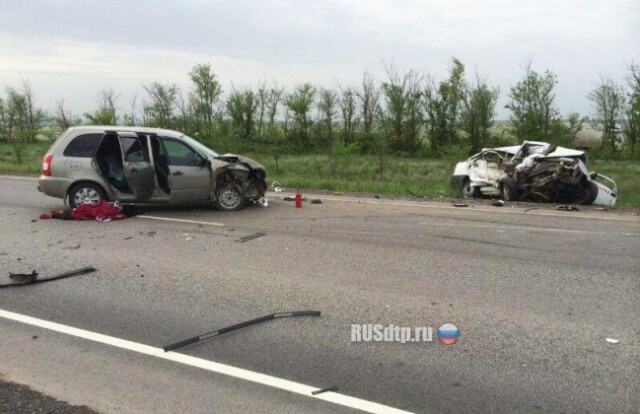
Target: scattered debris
{"x":128,"y":238}
{"x":602,"y":209}
{"x":23,"y":277}
{"x":376,"y":196}
{"x":328,"y":389}
{"x":188,"y":238}
{"x":338,"y":193}
{"x":498,"y":203}
{"x":613,"y":341}
{"x":460,"y":205}
{"x":34,"y":220}
{"x":250,"y":237}
{"x":33,"y":279}
{"x":277,"y":187}
{"x":76,"y":247}
{"x":414,"y":194}
{"x":316,"y":201}
{"x":237,"y":326}
{"x":529,"y":209}
{"x":152,"y":233}
{"x":288,"y":198}
{"x":566,"y":207}
{"x":12,"y":214}
{"x":262,"y":202}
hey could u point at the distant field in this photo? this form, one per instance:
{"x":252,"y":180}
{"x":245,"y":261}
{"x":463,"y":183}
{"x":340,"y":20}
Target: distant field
{"x":359,"y":173}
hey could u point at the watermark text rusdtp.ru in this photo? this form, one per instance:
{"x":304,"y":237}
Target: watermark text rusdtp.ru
{"x":447,"y":334}
{"x":390,"y":333}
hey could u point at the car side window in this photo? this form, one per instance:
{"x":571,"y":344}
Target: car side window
{"x":83,"y":146}
{"x":180,"y":154}
{"x":133,"y":151}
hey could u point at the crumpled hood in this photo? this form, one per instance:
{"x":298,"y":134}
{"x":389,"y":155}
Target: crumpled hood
{"x":239,"y":159}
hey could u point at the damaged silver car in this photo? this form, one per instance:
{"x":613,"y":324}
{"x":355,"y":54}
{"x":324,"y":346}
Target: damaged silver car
{"x":534,"y":171}
{"x":146,"y":165}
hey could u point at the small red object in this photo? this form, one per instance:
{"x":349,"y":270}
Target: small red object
{"x":298,"y":199}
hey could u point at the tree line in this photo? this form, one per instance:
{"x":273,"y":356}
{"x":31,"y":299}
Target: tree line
{"x":407,"y":112}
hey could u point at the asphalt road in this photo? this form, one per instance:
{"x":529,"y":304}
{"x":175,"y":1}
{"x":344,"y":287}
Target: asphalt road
{"x":535,"y":295}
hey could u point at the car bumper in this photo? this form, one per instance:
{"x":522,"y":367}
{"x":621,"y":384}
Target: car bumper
{"x":53,"y":186}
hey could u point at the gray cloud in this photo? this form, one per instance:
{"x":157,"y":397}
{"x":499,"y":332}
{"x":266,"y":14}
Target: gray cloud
{"x":122,"y":43}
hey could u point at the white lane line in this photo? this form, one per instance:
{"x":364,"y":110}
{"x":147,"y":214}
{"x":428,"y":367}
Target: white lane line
{"x":206,"y":223}
{"x":451,"y":208}
{"x":228,"y":370}
{"x":491,"y":226}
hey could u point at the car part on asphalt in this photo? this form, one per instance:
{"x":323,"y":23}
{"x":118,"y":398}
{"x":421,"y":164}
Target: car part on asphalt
{"x":250,"y":237}
{"x":77,"y":272}
{"x":222,"y":331}
{"x":460,"y":205}
{"x":23,"y":277}
{"x":613,"y":341}
{"x":328,"y":389}
{"x":498,"y":203}
{"x":316,"y":201}
{"x":564,"y":207}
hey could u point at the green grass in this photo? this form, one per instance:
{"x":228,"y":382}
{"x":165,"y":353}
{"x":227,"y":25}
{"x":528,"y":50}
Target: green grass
{"x":359,"y":173}
{"x":32,"y":158}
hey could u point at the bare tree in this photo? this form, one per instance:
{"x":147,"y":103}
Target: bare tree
{"x":64,"y":117}
{"x":160,"y":111}
{"x":348,"y":111}
{"x":631,"y":116}
{"x":369,"y":98}
{"x":608,"y":99}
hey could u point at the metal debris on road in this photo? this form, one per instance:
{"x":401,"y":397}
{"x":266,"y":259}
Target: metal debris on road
{"x":328,"y":389}
{"x":33,"y":280}
{"x":23,"y":277}
{"x":222,"y":331}
{"x":566,"y":207}
{"x":613,"y":341}
{"x":262,"y":202}
{"x":316,"y":201}
{"x":460,"y":205}
{"x":498,"y":203}
{"x":529,"y":209}
{"x":250,"y":237}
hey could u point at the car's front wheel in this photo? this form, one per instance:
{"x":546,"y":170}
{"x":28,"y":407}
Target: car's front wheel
{"x":228,"y":198}
{"x":467,"y":190}
{"x":509,"y":189}
{"x":86,"y":193}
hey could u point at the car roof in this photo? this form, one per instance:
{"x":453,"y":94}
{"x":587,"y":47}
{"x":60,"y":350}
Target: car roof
{"x":144,"y":130}
{"x":559,"y":152}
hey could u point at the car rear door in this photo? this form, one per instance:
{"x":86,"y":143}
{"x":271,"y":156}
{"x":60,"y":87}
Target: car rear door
{"x":137,"y":168}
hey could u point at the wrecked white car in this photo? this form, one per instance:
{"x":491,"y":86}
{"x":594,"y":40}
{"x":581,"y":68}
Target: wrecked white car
{"x":534,"y":171}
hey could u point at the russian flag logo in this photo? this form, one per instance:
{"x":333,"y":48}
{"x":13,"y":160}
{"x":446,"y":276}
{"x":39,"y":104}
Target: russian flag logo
{"x":448,"y":334}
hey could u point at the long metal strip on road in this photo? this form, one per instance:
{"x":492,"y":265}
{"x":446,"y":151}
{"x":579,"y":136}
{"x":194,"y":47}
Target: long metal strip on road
{"x":228,"y":370}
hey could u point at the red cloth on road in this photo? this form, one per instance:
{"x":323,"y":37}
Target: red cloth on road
{"x":101,"y":212}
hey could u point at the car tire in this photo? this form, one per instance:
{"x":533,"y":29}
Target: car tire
{"x":83,"y":193}
{"x":591,"y":193}
{"x":228,"y":198}
{"x":467,"y":191}
{"x":509,"y":189}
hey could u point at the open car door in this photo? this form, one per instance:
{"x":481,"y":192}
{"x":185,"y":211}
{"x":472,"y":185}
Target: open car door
{"x":137,"y":168}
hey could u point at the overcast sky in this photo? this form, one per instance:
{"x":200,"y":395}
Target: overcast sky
{"x":71,"y":50}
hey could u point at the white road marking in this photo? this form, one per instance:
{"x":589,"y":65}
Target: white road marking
{"x":495,"y":227}
{"x":228,"y":370}
{"x":450,"y":207}
{"x":206,"y":223}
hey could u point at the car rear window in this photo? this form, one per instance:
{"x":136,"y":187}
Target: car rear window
{"x":83,"y":146}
